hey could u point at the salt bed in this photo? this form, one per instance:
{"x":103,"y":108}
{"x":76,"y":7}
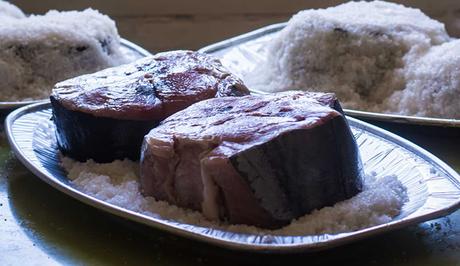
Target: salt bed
{"x":117,"y":183}
{"x":376,"y":56}
{"x":10,"y":10}
{"x":40,"y":50}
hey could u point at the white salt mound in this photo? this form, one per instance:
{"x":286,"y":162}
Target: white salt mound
{"x":433,"y":84}
{"x":362,"y":51}
{"x":10,"y":10}
{"x":117,"y":183}
{"x":38,"y":51}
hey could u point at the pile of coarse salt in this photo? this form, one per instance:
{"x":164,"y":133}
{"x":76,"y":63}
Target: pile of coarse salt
{"x":40,"y":50}
{"x":10,"y":10}
{"x":376,"y":56}
{"x":117,"y":183}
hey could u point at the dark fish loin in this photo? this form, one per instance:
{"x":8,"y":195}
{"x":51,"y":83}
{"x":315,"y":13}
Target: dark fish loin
{"x":104,"y":116}
{"x":307,"y":176}
{"x":104,"y":138}
{"x":256,"y":160}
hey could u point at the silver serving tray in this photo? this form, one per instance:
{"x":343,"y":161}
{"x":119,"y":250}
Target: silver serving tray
{"x":244,"y":52}
{"x":128,"y":48}
{"x":433,"y":187}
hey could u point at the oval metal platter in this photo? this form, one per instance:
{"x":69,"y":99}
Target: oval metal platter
{"x":133,"y":51}
{"x":243,"y":53}
{"x":433,"y":187}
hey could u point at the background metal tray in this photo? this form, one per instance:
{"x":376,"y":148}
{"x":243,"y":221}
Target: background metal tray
{"x":242,"y":53}
{"x":433,"y":187}
{"x":128,"y":48}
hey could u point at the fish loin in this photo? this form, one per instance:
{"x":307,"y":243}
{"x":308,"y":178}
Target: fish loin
{"x":256,"y":160}
{"x":104,"y":116}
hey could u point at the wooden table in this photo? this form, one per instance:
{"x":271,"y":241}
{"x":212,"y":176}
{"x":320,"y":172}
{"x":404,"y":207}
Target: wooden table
{"x":40,"y":225}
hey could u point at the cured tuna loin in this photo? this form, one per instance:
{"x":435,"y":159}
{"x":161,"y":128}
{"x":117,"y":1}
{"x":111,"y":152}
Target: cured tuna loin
{"x":105,"y":115}
{"x":256,"y":160}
